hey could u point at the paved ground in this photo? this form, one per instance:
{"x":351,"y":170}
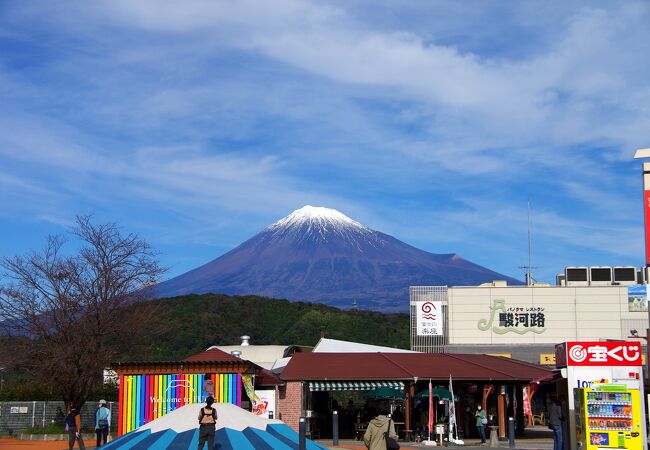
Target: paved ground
{"x":352,"y":445}
{"x":537,"y":438}
{"x":14,"y":444}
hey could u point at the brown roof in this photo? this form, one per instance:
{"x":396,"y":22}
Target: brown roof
{"x":212,"y":355}
{"x":405,"y":366}
{"x":267,"y":378}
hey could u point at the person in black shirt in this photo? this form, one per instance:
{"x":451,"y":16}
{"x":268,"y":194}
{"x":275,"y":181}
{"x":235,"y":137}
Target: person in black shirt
{"x":73,"y":425}
{"x":207,"y":424}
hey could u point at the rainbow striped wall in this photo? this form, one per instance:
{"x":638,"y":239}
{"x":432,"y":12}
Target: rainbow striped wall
{"x":143,"y":398}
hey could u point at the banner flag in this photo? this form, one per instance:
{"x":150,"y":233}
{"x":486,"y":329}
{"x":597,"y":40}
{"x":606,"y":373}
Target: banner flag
{"x":431,"y":418}
{"x":248,"y":387}
{"x":452,"y":406}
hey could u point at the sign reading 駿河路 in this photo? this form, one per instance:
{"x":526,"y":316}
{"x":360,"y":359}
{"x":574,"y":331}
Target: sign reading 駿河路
{"x":516,"y":319}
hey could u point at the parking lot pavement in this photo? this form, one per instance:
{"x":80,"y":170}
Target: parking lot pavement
{"x":413,"y":446}
{"x":535,"y":438}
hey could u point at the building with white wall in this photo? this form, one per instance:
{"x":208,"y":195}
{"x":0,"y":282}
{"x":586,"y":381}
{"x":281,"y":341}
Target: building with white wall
{"x":525,"y":322}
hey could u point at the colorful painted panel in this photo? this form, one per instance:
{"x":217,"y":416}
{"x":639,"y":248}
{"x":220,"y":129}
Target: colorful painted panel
{"x":144,"y":398}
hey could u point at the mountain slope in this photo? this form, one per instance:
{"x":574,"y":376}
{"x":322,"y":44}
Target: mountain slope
{"x":320,"y":255}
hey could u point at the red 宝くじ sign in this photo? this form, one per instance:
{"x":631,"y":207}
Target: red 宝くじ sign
{"x":603,"y":353}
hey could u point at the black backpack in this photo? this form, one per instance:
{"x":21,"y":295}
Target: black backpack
{"x":202,"y":414}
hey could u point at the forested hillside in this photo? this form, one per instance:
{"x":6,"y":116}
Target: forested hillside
{"x":189,"y":324}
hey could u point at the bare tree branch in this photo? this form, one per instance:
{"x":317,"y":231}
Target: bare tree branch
{"x":67,"y":308}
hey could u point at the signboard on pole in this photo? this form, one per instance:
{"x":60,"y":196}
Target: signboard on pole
{"x":429,"y":318}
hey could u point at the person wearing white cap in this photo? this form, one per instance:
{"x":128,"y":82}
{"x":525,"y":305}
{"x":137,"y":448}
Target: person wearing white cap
{"x":102,"y":422}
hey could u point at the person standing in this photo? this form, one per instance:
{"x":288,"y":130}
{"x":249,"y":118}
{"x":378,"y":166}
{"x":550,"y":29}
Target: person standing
{"x":102,"y":422}
{"x":374,"y":436}
{"x":208,"y":386}
{"x":73,"y":425}
{"x":481,"y":421}
{"x":59,"y":417}
{"x":207,"y":424}
{"x":555,"y":421}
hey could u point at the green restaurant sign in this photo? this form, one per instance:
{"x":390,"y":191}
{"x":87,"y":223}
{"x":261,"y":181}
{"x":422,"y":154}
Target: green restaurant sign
{"x":514,"y":319}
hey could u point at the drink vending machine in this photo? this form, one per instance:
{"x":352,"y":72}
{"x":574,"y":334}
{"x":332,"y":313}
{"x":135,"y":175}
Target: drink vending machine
{"x":608,"y":416}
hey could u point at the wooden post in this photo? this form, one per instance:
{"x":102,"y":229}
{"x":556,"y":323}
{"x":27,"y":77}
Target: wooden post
{"x":501,"y":412}
{"x":530,"y":393}
{"x":408,"y":414}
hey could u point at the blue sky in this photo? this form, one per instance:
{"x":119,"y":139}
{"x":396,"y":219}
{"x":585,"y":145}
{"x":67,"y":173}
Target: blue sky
{"x":196,"y":124}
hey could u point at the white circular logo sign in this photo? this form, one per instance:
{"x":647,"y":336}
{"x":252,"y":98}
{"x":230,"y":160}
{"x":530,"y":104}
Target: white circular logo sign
{"x":578,"y":353}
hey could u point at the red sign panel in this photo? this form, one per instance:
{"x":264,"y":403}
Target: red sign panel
{"x":603,"y":353}
{"x":646,"y":212}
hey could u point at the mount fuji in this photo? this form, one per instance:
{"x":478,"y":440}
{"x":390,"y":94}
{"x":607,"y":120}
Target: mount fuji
{"x":321,"y":255}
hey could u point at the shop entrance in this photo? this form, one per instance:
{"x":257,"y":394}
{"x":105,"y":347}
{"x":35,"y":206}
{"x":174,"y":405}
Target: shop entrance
{"x":356,"y":404}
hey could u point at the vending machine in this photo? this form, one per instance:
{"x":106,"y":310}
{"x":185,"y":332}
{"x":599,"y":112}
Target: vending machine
{"x":608,"y":416}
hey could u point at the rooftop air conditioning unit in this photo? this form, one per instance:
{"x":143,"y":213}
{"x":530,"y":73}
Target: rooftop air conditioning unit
{"x":560,"y":279}
{"x":624,"y":275}
{"x":600,"y":276}
{"x":576,"y":276}
{"x":642,"y":275}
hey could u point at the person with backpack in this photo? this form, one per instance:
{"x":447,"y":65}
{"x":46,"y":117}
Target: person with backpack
{"x":102,"y":422}
{"x":207,"y":424}
{"x":378,"y":428}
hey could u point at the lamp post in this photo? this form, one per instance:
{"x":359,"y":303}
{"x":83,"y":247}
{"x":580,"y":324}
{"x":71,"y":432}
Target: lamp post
{"x":644,"y":153}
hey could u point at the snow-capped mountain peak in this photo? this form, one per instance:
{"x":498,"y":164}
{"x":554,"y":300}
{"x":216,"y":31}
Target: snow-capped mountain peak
{"x":317,"y":217}
{"x":320,"y":254}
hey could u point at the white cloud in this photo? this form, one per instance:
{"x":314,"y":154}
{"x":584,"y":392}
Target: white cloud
{"x":218,"y":108}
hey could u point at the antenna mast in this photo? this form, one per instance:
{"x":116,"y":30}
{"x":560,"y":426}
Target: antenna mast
{"x":529,"y":274}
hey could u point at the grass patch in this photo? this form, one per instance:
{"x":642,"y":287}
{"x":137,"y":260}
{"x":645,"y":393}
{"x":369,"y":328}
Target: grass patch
{"x":48,"y":429}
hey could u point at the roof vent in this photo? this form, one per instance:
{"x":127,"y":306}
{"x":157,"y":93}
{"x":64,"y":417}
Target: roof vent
{"x":236,"y":353}
{"x":244,"y":340}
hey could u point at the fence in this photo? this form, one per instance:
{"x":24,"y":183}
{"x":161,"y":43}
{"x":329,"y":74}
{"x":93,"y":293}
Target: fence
{"x":18,"y":416}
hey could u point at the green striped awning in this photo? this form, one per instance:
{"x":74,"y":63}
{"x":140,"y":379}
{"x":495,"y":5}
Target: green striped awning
{"x":353,"y":385}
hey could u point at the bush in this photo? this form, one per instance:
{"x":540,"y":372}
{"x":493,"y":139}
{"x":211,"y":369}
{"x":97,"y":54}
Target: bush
{"x":52,"y":428}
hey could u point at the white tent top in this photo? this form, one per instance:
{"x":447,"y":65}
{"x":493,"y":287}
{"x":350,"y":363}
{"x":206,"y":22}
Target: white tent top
{"x":262,"y":355}
{"x":335,"y":346}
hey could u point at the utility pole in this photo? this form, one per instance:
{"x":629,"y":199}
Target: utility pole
{"x":644,"y":153}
